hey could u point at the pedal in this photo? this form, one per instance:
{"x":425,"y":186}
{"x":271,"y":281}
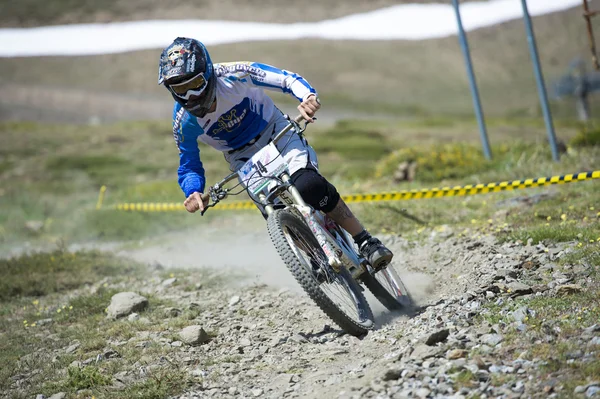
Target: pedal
{"x":356,"y":272}
{"x":383,"y":265}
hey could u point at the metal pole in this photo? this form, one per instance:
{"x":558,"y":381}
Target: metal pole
{"x":474,"y":92}
{"x":588,"y":15}
{"x":539,"y":77}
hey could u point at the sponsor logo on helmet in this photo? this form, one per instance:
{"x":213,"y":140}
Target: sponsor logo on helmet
{"x":175,"y":55}
{"x":191,"y":62}
{"x":174,"y":71}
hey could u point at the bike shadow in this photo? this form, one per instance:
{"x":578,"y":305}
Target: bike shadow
{"x":381,"y":319}
{"x":327,"y":330}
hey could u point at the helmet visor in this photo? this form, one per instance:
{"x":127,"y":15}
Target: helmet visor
{"x":191,"y":87}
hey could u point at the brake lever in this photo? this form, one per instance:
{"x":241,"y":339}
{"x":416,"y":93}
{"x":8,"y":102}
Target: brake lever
{"x":216,"y":195}
{"x":296,"y":125}
{"x":206,"y":208}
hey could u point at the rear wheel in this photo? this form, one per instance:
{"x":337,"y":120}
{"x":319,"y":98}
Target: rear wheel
{"x":388,"y":288}
{"x":337,"y":294}
{"x":386,"y":285}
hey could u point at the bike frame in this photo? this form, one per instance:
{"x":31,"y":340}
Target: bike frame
{"x":336,"y":245}
{"x":338,"y":250}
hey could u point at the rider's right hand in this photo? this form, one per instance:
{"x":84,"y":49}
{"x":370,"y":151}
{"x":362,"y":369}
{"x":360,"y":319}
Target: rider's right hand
{"x":195,"y":203}
{"x":309,"y":107}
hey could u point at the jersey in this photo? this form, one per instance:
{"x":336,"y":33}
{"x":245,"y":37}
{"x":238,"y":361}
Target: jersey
{"x":243,"y":111}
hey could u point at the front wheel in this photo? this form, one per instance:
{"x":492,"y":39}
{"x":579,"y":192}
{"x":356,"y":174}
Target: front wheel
{"x":337,"y":294}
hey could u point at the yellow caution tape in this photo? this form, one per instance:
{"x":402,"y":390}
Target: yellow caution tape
{"x":173,"y":206}
{"x":101,"y":197}
{"x":457,"y":191}
{"x":471,"y":189}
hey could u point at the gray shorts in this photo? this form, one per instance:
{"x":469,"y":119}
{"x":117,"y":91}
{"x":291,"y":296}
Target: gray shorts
{"x":295,"y":150}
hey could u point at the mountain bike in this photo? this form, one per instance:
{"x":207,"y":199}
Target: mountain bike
{"x":321,"y":255}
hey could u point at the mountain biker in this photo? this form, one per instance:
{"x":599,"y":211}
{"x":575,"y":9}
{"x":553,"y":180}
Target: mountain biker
{"x":224,"y":105}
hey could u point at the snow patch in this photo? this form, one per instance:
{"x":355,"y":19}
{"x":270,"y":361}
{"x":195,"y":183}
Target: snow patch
{"x":401,"y":22}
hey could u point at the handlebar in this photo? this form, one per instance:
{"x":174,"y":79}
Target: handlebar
{"x":217,"y":193}
{"x":293,"y":123}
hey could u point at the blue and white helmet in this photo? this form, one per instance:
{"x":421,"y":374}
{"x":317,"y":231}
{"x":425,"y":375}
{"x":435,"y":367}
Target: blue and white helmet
{"x":186,"y":70}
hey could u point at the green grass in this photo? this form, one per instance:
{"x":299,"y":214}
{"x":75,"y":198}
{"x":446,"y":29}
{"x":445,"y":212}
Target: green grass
{"x":571,"y":313}
{"x":464,"y":379}
{"x":587,"y":138}
{"x":97,"y":167}
{"x":588,"y":256}
{"x":81,"y":317}
{"x":557,"y":233}
{"x":86,"y":377}
{"x":110,"y":224}
{"x":56,"y":177}
{"x":161,"y":385}
{"x":569,"y":216}
{"x":58,"y":187}
{"x":41,"y":274}
{"x":350,"y":150}
{"x":445,"y":161}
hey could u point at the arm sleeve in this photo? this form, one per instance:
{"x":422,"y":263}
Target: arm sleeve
{"x":267,"y":77}
{"x":191,"y":172}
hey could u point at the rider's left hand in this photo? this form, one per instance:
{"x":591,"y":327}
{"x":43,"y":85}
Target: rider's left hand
{"x":309,"y":107}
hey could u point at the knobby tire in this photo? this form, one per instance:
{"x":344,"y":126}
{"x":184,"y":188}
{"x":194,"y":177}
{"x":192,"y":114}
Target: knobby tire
{"x":277,"y":222}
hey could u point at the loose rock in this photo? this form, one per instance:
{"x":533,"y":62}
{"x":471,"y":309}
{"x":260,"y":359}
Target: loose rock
{"x":194,"y":335}
{"x":125,"y":303}
{"x":437,"y":337}
{"x":234,"y":300}
{"x":568,"y":289}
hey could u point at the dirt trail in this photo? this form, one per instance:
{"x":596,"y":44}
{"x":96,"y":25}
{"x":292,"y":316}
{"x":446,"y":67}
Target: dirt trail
{"x":273,"y":342}
{"x":245,"y":247}
{"x":268,"y":340}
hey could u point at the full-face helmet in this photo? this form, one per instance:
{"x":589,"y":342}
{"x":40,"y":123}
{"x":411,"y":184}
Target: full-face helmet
{"x":186,"y":70}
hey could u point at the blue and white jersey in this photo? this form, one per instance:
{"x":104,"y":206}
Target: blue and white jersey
{"x":243,"y":111}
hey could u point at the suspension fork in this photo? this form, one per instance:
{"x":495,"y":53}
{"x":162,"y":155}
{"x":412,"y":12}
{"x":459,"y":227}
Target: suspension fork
{"x":337,"y":255}
{"x":313,"y":224}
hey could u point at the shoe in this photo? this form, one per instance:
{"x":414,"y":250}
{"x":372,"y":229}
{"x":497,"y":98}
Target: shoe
{"x":376,"y":253}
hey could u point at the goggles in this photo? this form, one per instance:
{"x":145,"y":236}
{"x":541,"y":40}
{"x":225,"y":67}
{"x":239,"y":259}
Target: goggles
{"x":188,"y":88}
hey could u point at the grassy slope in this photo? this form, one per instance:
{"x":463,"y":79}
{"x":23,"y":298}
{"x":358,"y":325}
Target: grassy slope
{"x":74,"y":288}
{"x":36,"y":12}
{"x":52,"y":173}
{"x":397,"y":77}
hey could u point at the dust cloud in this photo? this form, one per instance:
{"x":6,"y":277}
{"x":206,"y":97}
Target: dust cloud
{"x":241,"y":247}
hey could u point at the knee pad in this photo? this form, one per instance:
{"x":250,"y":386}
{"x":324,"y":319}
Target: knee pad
{"x":315,"y":189}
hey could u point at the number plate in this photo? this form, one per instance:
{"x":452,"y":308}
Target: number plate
{"x":267,"y":162}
